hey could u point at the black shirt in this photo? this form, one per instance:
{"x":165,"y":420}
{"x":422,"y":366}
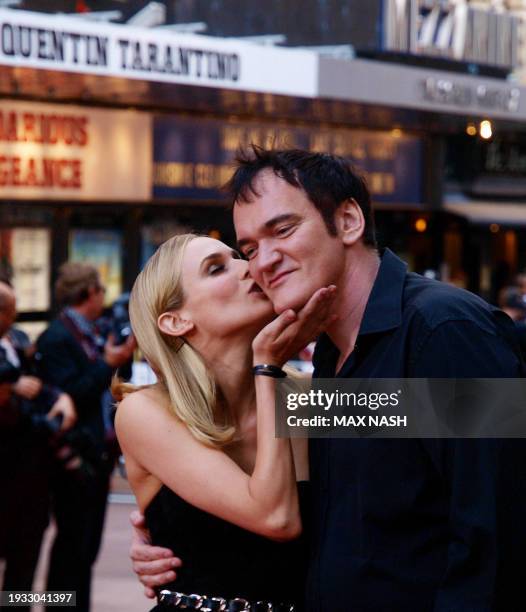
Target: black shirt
{"x":419,"y":525}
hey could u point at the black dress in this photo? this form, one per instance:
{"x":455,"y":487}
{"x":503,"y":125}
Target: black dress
{"x":223,"y":560}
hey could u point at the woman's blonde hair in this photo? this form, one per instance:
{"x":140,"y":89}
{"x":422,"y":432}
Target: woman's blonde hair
{"x":179,"y":368}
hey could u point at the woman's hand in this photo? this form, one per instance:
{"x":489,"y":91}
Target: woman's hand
{"x":290,"y":332}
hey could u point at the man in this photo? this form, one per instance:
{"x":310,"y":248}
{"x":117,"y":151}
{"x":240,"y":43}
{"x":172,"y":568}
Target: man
{"x":24,"y":449}
{"x":397,"y":524}
{"x":72,"y":358}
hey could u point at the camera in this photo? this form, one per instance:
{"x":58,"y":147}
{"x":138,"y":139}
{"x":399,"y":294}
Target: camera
{"x":116,"y":321}
{"x":116,"y":324}
{"x":120,"y":324}
{"x":43,"y":426}
{"x":74,"y":449}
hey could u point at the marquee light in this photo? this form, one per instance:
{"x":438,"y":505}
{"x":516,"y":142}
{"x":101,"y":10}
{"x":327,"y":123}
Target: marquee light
{"x":486,"y":129}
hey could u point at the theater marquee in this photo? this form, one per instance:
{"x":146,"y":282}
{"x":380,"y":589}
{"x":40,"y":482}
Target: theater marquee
{"x":72,"y":152}
{"x":35,"y":40}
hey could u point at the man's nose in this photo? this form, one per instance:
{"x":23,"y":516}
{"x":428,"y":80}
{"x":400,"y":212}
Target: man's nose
{"x":267,"y":259}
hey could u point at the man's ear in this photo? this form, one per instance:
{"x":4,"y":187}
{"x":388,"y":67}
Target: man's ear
{"x":172,"y":324}
{"x":349,"y":221}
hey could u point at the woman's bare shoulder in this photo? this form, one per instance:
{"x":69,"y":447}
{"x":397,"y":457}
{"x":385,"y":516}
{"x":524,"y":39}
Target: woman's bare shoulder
{"x":144,"y":397}
{"x":149,"y":406}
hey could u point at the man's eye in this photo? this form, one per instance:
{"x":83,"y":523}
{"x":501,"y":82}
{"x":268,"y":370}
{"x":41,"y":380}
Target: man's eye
{"x":283,"y":230}
{"x":215,"y":268}
{"x":249,"y":253}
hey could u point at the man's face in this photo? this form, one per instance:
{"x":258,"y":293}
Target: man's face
{"x":95,"y":301}
{"x":290,"y":251}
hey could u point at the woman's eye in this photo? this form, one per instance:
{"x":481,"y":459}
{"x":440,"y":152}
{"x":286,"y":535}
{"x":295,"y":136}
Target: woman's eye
{"x":215,"y":268}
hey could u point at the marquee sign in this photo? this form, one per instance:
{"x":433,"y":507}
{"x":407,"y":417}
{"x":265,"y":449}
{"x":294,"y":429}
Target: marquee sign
{"x":72,"y":152}
{"x":193,"y":157}
{"x":63,"y":43}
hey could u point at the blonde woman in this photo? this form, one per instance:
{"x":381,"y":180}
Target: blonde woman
{"x":209,"y":475}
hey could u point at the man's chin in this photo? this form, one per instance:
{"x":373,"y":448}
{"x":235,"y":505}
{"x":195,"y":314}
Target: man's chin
{"x":281,"y":305}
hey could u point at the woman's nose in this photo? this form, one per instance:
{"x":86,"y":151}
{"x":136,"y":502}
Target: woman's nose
{"x":243,"y":269}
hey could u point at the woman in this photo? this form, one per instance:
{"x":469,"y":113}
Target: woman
{"x":209,"y":475}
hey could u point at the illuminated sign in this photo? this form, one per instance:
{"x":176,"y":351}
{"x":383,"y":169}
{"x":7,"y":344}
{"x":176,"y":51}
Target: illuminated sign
{"x":193,"y":158}
{"x":44,"y":41}
{"x":51,"y":151}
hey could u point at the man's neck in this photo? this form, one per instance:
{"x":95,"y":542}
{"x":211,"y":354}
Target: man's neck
{"x":353,"y":295}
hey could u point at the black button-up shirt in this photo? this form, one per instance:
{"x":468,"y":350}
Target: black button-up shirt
{"x":417,"y":525}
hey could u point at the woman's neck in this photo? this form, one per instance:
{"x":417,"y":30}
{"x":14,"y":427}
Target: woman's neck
{"x":231,"y":368}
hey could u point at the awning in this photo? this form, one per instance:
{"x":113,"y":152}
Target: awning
{"x":475,"y":211}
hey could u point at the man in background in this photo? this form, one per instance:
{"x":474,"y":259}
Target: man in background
{"x":73,"y":356}
{"x":32,"y":416}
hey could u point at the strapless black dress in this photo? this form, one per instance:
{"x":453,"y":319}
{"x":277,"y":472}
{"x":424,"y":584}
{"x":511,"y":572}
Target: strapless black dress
{"x":223,"y":560}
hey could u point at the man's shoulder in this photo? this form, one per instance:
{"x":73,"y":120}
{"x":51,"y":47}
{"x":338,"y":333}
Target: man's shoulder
{"x":433,"y":303}
{"x":56,"y":331}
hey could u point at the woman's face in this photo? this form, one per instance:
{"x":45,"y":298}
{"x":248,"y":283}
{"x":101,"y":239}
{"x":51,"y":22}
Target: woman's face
{"x":220,"y":296}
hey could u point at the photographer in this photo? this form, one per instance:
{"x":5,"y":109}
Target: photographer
{"x":31,"y":416}
{"x":116,"y":324}
{"x":73,"y":357}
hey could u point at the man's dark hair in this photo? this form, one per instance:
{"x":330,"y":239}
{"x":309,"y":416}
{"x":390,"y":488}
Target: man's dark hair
{"x":327,"y":180}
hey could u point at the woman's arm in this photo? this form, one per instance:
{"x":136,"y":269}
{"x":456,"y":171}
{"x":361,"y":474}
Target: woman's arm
{"x":265,"y":502}
{"x":272,"y":484}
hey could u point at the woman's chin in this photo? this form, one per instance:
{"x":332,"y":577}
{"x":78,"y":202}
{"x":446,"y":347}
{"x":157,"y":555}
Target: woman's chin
{"x":250,"y":320}
{"x":263,"y":318}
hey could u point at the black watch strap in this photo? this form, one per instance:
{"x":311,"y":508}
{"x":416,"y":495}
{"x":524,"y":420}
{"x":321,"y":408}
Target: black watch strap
{"x":266,"y":369}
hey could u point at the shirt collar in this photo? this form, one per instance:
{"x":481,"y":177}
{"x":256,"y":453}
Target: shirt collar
{"x":384,"y":306}
{"x":83,"y":324}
